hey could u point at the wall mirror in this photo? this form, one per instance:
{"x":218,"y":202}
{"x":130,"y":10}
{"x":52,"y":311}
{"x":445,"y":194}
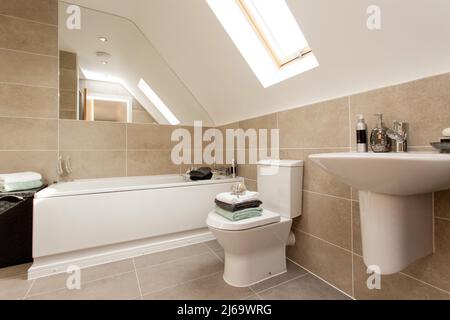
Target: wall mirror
{"x":110,"y":71}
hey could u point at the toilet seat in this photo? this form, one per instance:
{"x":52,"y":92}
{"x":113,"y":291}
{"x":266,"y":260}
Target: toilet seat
{"x":218,"y":222}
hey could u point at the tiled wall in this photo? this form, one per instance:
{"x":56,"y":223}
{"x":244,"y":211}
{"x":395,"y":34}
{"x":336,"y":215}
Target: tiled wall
{"x":328,"y":233}
{"x":68,"y":85}
{"x":29,"y":86}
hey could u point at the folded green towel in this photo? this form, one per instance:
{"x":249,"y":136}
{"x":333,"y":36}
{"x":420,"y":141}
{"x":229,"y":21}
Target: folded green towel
{"x":19,"y":186}
{"x":239,"y":215}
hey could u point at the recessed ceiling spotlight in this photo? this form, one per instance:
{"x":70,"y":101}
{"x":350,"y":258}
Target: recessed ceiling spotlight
{"x":103,"y":39}
{"x":104,"y":62}
{"x":102,"y":54}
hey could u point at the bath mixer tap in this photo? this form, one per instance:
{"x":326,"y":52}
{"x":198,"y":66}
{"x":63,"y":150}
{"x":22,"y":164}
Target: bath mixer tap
{"x":399,"y":136}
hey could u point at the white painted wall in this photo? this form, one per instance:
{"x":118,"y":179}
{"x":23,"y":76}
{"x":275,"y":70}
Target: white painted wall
{"x":412,"y":44}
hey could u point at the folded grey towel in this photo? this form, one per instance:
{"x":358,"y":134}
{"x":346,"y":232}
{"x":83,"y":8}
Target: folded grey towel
{"x":238,"y":206}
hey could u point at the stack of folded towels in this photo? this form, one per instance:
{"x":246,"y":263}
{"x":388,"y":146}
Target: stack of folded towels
{"x":20,"y":181}
{"x":238,"y":207}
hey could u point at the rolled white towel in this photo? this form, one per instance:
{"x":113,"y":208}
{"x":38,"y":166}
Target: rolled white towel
{"x":230,"y":198}
{"x":19,"y":177}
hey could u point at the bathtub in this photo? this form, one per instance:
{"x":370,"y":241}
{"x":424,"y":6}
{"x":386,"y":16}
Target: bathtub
{"x":90,"y":222}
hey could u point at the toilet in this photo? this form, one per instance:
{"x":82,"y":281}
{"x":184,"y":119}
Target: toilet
{"x":255,"y":249}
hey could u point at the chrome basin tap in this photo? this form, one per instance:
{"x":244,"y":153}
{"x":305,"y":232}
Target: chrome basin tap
{"x":399,"y":136}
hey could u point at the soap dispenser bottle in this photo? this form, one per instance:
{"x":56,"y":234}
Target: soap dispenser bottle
{"x":379,"y":140}
{"x":361,"y":134}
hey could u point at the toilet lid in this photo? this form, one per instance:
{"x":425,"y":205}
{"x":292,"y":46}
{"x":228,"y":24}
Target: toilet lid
{"x":218,"y":222}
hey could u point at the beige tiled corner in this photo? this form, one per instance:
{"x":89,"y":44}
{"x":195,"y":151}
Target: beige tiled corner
{"x":293,"y":271}
{"x":393,"y":287}
{"x":326,"y":217}
{"x":28,"y":69}
{"x":45,"y":11}
{"x":44,"y":162}
{"x":58,"y":282}
{"x":435,"y":268}
{"x":153,"y":162}
{"x":142,"y":117}
{"x":96,"y":164}
{"x":211,"y":287}
{"x":248,"y":171}
{"x":315,"y":178}
{"x":28,"y":134}
{"x":356,"y":220}
{"x":322,"y":125}
{"x":121,"y":287}
{"x":162,"y":276}
{"x":323,"y":259}
{"x":169,"y":255}
{"x":18,"y":34}
{"x":442,"y":204}
{"x":67,"y":60}
{"x":420,"y":103}
{"x":14,"y":287}
{"x":251,"y":185}
{"x":149,"y":137}
{"x":25,"y":101}
{"x":88,"y":135}
{"x":307,"y":287}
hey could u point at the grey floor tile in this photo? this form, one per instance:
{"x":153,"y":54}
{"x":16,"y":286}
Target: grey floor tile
{"x":14,"y":271}
{"x":293,"y":271}
{"x":169,"y":255}
{"x":208,"y":288}
{"x":122,"y":287}
{"x":214,"y":245}
{"x":14,"y":288}
{"x":176,"y":272}
{"x":307,"y":287}
{"x":56,"y":282}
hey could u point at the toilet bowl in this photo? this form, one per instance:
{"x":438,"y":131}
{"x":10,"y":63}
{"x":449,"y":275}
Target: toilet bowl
{"x":255,"y":248}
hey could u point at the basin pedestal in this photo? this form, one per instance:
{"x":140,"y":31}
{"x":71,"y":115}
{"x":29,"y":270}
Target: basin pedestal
{"x":396,"y":230}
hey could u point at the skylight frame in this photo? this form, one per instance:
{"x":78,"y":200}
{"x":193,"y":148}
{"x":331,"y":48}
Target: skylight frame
{"x":255,"y":52}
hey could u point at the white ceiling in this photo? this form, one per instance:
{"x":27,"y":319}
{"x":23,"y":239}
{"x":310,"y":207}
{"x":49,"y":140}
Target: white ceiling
{"x":412,"y":44}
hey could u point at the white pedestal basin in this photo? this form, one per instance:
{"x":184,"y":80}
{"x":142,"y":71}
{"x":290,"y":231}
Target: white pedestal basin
{"x":395,"y":194}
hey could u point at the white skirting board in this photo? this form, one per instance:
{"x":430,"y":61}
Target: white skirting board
{"x":57,"y":264}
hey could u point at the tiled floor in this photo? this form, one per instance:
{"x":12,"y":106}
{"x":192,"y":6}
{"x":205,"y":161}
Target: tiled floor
{"x":193,"y":272}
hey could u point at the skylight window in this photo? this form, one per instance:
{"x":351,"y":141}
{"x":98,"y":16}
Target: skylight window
{"x":157,"y":102}
{"x":268,"y":36}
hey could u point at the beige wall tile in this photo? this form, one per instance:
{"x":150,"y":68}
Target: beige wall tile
{"x":28,"y":69}
{"x":393,"y":287}
{"x":424,"y":104}
{"x":45,"y":11}
{"x":322,"y":125}
{"x":442,"y":204}
{"x":326,"y":217}
{"x":68,"y":79}
{"x":356,"y":220}
{"x":96,"y":164}
{"x":68,"y":100}
{"x":267,"y":122}
{"x":149,"y":137}
{"x":25,"y":101}
{"x":325,"y":260}
{"x":248,"y":171}
{"x":28,"y":36}
{"x":44,"y":162}
{"x":67,"y":60}
{"x":435,"y":268}
{"x":154,"y":162}
{"x":87,"y":135}
{"x":67,"y":115}
{"x":28,"y":134}
{"x":314,"y":178}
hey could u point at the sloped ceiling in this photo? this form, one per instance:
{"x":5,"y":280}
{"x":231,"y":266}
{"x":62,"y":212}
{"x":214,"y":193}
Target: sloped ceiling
{"x":412,"y":44}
